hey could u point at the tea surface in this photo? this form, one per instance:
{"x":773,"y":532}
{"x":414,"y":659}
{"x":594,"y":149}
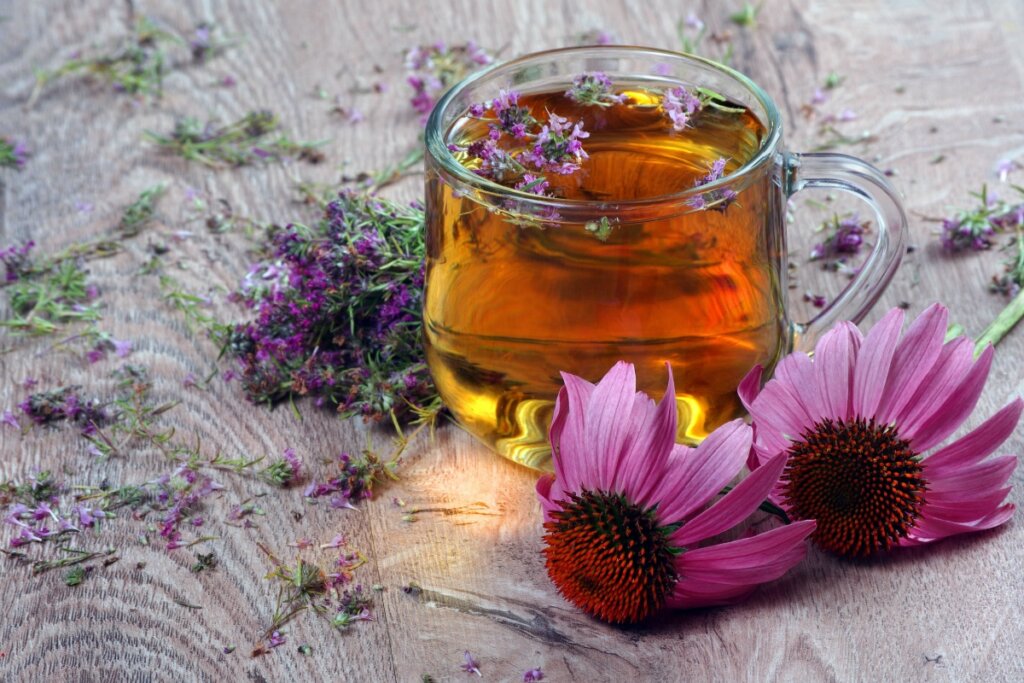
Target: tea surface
{"x":510,"y":304}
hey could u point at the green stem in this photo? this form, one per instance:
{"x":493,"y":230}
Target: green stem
{"x":1002,"y":325}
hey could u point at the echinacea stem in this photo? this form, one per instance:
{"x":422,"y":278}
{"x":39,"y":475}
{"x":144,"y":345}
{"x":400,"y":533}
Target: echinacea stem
{"x":1002,"y":325}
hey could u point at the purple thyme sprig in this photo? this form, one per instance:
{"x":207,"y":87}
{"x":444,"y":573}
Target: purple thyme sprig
{"x":65,"y":404}
{"x":470,"y":665}
{"x":179,"y":495}
{"x":432,"y":69}
{"x":17,"y":261}
{"x":40,"y":510}
{"x":513,"y":119}
{"x":356,"y":480}
{"x":595,"y":89}
{"x":843,"y":239}
{"x":718,"y":200}
{"x":975,"y":228}
{"x":13,"y":153}
{"x":285,"y":471}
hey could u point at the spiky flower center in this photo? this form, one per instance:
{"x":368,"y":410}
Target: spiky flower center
{"x":609,"y":557}
{"x":859,"y":480}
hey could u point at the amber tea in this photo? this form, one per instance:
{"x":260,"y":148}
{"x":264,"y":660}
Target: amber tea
{"x":511,"y":303}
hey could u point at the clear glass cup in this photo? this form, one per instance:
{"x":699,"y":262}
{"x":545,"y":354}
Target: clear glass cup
{"x":518,"y":289}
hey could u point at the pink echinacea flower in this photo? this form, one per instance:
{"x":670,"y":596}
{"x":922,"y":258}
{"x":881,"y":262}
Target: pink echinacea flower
{"x":855,"y":425}
{"x":628,"y":512}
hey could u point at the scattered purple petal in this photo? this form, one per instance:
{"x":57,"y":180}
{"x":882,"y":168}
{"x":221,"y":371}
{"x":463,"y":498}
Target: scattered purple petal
{"x":10,"y":420}
{"x":470,"y":665}
{"x":122,"y":347}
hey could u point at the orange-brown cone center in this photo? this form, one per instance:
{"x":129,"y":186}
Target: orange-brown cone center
{"x":859,"y":480}
{"x":609,"y":557}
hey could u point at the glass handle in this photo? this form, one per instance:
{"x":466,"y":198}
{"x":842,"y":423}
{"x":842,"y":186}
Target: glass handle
{"x":842,"y":172}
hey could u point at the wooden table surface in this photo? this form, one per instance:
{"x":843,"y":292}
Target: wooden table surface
{"x":940,"y":86}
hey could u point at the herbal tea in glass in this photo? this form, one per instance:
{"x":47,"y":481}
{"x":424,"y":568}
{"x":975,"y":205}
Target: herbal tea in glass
{"x":613,"y":219}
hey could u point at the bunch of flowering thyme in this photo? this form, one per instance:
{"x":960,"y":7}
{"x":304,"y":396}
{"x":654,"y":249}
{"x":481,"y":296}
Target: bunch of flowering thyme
{"x":337,"y":312}
{"x":250,"y":139}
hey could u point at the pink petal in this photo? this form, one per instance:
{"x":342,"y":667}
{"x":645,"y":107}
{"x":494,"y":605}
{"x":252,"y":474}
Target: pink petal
{"x":750,"y":561}
{"x":797,"y":372}
{"x":927,"y":530}
{"x":548,"y":505}
{"x":944,"y":419}
{"x":558,"y":418}
{"x":873,"y":363}
{"x":956,"y":497}
{"x":569,"y":442}
{"x":987,"y":475}
{"x":979,"y":443}
{"x":696,"y":475}
{"x":966,"y":510}
{"x":609,"y":421}
{"x":834,"y":358}
{"x":750,"y":386}
{"x":915,"y":356}
{"x":691,"y":595}
{"x":954,"y":360}
{"x":780,"y":414}
{"x":734,"y":507}
{"x":648,"y":451}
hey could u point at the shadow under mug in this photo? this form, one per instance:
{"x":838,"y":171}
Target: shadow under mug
{"x":518,"y":289}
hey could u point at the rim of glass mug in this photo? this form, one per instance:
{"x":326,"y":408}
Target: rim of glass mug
{"x":455,"y":102}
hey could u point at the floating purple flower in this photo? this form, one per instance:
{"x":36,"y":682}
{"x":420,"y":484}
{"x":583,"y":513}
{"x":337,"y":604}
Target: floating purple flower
{"x":594,"y":88}
{"x":680,"y":104}
{"x":533,"y":675}
{"x":558,"y":148}
{"x":718,"y":200}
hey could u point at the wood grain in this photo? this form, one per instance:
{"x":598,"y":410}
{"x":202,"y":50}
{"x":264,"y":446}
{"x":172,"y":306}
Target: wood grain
{"x":926,"y":81}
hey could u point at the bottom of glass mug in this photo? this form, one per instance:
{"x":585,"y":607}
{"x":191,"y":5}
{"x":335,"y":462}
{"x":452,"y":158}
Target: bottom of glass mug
{"x":499,"y":396}
{"x":529,"y":445}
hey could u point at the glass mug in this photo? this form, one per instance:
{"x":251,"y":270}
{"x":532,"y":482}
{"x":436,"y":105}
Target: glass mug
{"x":521,"y":287}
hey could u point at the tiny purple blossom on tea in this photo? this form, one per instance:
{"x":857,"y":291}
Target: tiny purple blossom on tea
{"x":718,"y":200}
{"x":679,"y":104}
{"x":595,"y":89}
